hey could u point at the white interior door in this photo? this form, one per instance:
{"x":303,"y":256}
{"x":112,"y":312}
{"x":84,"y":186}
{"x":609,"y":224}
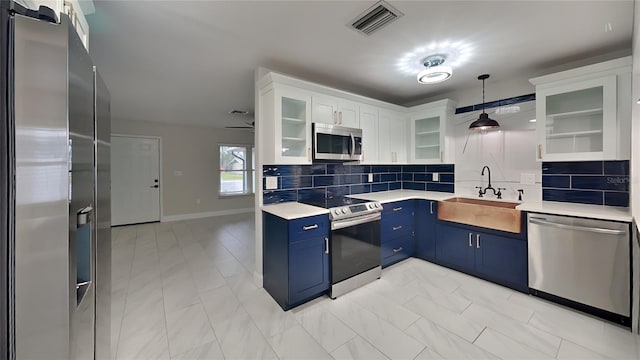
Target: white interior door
{"x":135,"y":180}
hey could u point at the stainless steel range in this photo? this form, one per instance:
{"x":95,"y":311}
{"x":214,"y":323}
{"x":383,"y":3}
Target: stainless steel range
{"x":354,"y":242}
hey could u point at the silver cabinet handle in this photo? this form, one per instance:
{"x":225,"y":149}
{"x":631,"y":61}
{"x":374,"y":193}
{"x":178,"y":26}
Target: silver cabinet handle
{"x":309,"y":153}
{"x":470,"y":244}
{"x":326,"y":245}
{"x":539,"y":151}
{"x":477,"y":241}
{"x":314,"y":226}
{"x":430,"y":207}
{"x":397,"y":228}
{"x":397,"y":209}
{"x":545,"y":222}
{"x":340,"y":117}
{"x":335,"y":117}
{"x":398,"y":249}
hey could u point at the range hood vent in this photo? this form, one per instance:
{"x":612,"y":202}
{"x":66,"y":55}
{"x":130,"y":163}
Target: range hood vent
{"x":375,"y":18}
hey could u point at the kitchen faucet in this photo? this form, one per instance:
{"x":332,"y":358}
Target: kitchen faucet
{"x":497,"y":192}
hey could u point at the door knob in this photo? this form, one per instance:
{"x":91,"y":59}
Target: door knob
{"x":155,"y":186}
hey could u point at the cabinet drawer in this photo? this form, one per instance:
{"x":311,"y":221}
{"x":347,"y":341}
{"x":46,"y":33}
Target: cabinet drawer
{"x":307,"y":227}
{"x":398,"y":208}
{"x":395,"y":226}
{"x":397,"y":249}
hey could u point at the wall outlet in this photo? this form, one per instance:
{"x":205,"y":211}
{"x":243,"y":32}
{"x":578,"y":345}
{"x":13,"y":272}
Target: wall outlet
{"x":177,"y":173}
{"x":370,"y":178}
{"x":527,"y":179}
{"x":271,"y":182}
{"x":435,"y":177}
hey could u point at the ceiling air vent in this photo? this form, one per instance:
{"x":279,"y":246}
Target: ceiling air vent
{"x":375,"y":18}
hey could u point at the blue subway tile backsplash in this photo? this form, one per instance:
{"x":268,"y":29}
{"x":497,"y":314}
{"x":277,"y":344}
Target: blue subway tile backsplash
{"x":322,"y":180}
{"x":587,"y":182}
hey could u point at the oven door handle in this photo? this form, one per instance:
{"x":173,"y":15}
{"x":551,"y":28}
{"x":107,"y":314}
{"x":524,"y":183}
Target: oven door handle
{"x":341,"y":224}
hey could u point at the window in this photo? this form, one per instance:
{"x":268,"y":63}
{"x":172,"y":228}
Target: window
{"x":236,"y":161}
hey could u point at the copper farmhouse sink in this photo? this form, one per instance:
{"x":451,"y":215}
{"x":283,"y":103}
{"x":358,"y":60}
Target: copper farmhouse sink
{"x":497,"y":215}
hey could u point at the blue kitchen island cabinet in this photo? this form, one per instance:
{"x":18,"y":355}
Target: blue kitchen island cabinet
{"x":492,"y":255}
{"x":425,"y":229}
{"x":397,"y":240}
{"x":295,"y":258}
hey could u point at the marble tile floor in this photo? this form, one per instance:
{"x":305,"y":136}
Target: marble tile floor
{"x":185,"y":290}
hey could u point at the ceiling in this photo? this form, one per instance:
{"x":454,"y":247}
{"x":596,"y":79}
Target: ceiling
{"x":191,"y":62}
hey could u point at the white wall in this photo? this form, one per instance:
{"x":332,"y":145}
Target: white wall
{"x":193,"y":150}
{"x":509,"y":152}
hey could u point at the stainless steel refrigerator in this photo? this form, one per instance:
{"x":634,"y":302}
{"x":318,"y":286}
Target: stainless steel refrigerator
{"x":56,"y":243}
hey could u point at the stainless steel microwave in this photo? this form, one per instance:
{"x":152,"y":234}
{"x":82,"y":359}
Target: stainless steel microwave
{"x":332,"y":142}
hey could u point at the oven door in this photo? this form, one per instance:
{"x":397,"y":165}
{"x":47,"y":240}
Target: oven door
{"x":354,"y":246}
{"x":336,"y":143}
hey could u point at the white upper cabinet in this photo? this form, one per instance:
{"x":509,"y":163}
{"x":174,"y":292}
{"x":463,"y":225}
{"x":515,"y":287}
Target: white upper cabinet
{"x":581,"y":113}
{"x":335,"y":111}
{"x":430,"y":137}
{"x":392,"y":131}
{"x":285,"y":119}
{"x":369,"y":126}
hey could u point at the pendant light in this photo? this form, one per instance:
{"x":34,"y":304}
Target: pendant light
{"x":484,"y":122}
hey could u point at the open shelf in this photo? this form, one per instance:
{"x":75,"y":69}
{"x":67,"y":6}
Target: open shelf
{"x":295,"y":120}
{"x":428,"y":132}
{"x":575,"y":133}
{"x":293,"y":139}
{"x":575,"y":113}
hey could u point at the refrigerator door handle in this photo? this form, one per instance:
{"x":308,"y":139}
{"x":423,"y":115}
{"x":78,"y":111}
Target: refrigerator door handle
{"x":84,"y":215}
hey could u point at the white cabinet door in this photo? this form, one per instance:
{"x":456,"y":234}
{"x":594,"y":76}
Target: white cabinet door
{"x":285,"y":124}
{"x":335,"y":111}
{"x":577,"y":121}
{"x":348,"y":114}
{"x":392,"y":129}
{"x":324,"y":109}
{"x":426,"y":137}
{"x":369,"y":126}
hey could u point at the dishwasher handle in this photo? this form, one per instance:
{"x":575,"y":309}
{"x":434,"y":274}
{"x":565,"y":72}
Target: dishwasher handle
{"x":545,"y":222}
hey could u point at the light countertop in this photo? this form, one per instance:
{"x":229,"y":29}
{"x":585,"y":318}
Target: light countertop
{"x":399,"y":195}
{"x":294,"y":210}
{"x":582,"y":210}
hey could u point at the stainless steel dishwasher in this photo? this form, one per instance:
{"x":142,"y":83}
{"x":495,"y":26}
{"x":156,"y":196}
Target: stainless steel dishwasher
{"x":582,"y":263}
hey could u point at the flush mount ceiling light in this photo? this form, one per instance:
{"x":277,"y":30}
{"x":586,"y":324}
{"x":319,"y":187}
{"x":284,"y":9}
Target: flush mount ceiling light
{"x":435,"y":71}
{"x":484,"y":122}
{"x":457,"y":53}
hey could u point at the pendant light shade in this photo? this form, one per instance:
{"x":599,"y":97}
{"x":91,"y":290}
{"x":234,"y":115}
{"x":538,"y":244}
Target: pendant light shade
{"x":484,"y":122}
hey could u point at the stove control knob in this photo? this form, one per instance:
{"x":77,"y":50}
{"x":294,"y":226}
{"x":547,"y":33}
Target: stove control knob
{"x":336,"y":212}
{"x":344,"y":210}
{"x":370,"y":206}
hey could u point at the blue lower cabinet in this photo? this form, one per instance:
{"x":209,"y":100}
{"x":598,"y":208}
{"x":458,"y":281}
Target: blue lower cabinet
{"x":397,"y":239}
{"x":425,"y":228}
{"x":308,"y":268}
{"x":397,"y":249}
{"x":295,"y":258}
{"x":454,"y":247}
{"x":500,"y":259}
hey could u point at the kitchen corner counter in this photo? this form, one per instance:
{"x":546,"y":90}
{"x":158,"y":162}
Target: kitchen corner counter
{"x":399,"y":195}
{"x":580,"y":210}
{"x":294,"y":210}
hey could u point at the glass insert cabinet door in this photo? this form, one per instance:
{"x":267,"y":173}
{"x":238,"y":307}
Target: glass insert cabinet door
{"x":577,"y":121}
{"x":294,"y":116}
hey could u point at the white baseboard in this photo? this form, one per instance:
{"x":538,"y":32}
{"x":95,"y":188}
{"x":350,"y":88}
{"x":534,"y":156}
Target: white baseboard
{"x":205,"y":214}
{"x":257,"y":278}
